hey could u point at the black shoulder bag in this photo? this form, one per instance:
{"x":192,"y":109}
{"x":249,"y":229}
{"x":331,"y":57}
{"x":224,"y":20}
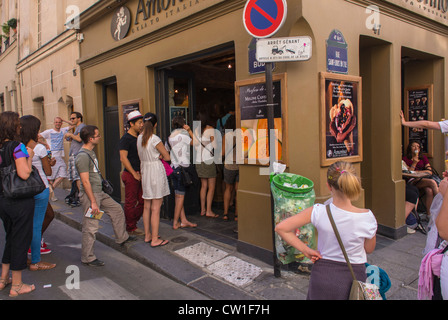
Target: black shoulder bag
{"x":15,"y":187}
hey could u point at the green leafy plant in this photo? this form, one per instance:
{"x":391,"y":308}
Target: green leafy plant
{"x":6,"y":29}
{"x":12,"y":23}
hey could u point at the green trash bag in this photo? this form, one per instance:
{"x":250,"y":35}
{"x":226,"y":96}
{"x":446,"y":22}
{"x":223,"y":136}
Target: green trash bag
{"x":292,"y":194}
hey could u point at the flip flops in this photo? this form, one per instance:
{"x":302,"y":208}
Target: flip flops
{"x":161,"y":244}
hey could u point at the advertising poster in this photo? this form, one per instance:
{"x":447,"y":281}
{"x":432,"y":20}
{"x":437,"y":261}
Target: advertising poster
{"x":419,"y":107}
{"x":252,"y":115}
{"x":127,"y":107}
{"x":341,"y":118}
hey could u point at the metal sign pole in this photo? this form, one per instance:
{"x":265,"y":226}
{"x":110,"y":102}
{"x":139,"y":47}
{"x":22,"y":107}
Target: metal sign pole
{"x":271,"y":139}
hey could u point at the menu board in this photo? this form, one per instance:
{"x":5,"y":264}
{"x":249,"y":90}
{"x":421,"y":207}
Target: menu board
{"x":419,"y":107}
{"x":252,"y":115}
{"x":127,"y":107}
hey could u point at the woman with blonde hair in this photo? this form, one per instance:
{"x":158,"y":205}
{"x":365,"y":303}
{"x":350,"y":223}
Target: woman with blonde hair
{"x":154,"y":181}
{"x":330,"y":276}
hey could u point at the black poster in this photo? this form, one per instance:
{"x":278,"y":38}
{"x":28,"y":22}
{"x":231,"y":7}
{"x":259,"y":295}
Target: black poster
{"x":253,"y":101}
{"x":418,"y":110}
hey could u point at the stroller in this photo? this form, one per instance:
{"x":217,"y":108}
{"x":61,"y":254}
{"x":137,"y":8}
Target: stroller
{"x":73,"y":199}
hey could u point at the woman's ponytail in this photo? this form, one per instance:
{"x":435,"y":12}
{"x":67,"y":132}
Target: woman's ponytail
{"x":342,"y":176}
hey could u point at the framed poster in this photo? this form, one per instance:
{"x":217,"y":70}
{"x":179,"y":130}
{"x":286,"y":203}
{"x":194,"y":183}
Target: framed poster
{"x":252,"y":119}
{"x":341,"y":118}
{"x":418,"y":106}
{"x":129,"y":106}
{"x":177,"y":111}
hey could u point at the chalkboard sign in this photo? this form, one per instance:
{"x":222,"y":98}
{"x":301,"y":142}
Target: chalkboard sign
{"x":419,"y":107}
{"x":253,"y":100}
{"x":252,"y":118}
{"x":127,"y":107}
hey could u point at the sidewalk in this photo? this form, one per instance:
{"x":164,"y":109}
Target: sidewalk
{"x":216,"y":269}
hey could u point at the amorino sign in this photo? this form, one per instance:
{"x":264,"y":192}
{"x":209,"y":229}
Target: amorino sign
{"x":151,"y":15}
{"x":436,"y":10}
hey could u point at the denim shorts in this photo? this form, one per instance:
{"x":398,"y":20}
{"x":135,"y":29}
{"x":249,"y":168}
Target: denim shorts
{"x":178,"y":185}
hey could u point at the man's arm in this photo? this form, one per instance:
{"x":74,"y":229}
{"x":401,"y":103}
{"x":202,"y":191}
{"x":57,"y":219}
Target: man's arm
{"x":421,"y":124}
{"x":127,"y":164}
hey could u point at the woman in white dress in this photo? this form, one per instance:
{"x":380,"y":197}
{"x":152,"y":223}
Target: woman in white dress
{"x":154,"y":181}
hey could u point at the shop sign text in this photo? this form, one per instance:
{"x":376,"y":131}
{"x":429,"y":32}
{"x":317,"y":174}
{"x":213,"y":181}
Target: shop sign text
{"x":433,"y":9}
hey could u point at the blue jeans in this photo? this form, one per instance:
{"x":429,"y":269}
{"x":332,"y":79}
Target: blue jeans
{"x":40,"y":207}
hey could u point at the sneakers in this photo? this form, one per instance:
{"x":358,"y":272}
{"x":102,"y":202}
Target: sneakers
{"x":43,"y":248}
{"x":129,"y":239}
{"x":94,"y":263}
{"x":137,"y":232}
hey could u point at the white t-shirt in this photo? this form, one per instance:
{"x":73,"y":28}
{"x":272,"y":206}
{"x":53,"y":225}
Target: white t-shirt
{"x":55,"y":140}
{"x":40,"y":152}
{"x":353,"y":228}
{"x":444,"y":126}
{"x":179,"y":142}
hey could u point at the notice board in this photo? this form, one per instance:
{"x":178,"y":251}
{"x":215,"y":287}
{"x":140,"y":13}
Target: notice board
{"x":252,"y":119}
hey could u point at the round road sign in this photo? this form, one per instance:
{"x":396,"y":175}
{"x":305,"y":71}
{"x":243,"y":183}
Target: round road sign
{"x":263,"y":18}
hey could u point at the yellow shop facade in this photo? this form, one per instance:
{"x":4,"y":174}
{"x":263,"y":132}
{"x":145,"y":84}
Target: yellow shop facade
{"x":168,"y":56}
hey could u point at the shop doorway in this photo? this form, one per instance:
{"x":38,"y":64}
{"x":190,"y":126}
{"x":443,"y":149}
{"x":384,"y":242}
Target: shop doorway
{"x":190,"y":86}
{"x":111,"y":136}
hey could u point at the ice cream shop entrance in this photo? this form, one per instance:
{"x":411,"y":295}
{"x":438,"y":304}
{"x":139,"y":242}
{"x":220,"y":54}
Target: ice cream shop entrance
{"x":197,"y":87}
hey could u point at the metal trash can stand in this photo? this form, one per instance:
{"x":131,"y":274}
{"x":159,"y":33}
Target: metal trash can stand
{"x":292,"y":194}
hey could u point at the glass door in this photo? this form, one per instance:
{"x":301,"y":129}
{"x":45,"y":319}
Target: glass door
{"x":176,"y":98}
{"x":176,"y":95}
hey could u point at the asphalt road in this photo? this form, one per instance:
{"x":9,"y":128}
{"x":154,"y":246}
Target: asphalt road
{"x":120,"y":279}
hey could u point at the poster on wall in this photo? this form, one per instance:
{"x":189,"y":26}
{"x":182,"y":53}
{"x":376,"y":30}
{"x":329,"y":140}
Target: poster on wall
{"x":176,"y":111}
{"x":418,"y":106}
{"x":252,"y":117}
{"x":341,"y":118}
{"x":127,"y":107}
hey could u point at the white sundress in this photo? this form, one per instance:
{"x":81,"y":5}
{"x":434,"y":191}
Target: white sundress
{"x":154,"y":180}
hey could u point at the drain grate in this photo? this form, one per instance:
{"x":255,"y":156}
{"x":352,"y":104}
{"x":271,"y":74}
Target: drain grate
{"x":201,"y":254}
{"x":235,"y":270}
{"x":179,"y":240}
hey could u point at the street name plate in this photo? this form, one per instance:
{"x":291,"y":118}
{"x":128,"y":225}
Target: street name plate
{"x":284,"y":49}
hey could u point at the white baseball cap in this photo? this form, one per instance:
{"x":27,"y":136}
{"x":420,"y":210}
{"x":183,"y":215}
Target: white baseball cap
{"x":134,"y":115}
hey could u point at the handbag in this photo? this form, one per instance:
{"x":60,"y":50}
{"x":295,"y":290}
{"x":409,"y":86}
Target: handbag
{"x":107,"y":186}
{"x":186,"y":177}
{"x":167,"y":167}
{"x":359,"y":290}
{"x":15,"y":187}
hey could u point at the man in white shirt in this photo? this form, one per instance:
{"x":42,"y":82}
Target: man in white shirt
{"x":55,"y":143}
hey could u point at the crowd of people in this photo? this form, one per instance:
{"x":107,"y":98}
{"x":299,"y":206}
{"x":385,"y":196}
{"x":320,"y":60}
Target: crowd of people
{"x":145,"y":160}
{"x":146,"y":175}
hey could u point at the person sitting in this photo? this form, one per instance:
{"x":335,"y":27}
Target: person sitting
{"x":416,"y":161}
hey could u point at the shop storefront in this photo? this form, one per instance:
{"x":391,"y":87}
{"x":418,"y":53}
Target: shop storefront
{"x":180,"y":57}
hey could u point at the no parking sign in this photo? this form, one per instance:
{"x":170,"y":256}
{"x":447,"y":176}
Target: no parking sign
{"x":263,"y":18}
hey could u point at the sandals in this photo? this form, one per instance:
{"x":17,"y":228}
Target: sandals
{"x":161,"y":244}
{"x":16,"y":289}
{"x":4,"y":283}
{"x":41,"y":266}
